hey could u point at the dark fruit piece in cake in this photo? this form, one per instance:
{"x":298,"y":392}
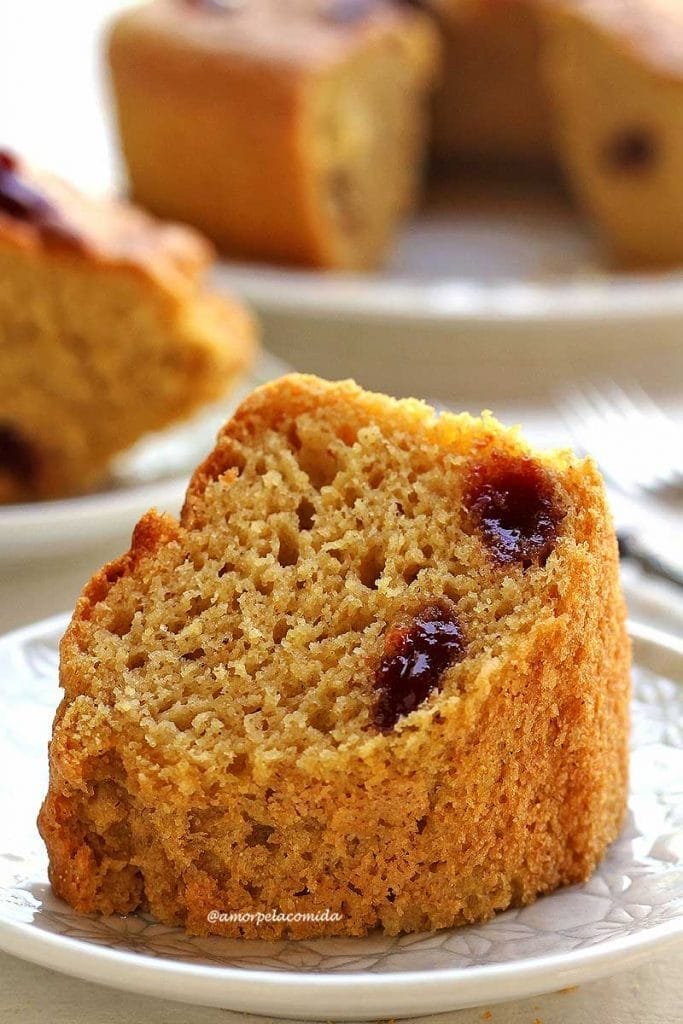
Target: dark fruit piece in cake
{"x":416,"y":655}
{"x":511,"y":501}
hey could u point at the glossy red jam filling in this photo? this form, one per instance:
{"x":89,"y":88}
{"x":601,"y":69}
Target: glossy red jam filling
{"x":416,"y":655}
{"x":512,"y":504}
{"x":20,"y":200}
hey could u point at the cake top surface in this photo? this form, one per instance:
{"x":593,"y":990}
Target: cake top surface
{"x":347,"y":571}
{"x":40,"y":211}
{"x":290,"y":31}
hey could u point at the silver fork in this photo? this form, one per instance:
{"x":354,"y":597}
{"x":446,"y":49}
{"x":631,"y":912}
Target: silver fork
{"x":637,"y":446}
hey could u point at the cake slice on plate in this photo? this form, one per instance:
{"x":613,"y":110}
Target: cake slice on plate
{"x":376,"y":675}
{"x":105,"y":332}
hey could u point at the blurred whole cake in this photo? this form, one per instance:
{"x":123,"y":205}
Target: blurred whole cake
{"x":294,"y":130}
{"x":106,"y":332}
{"x":289,"y":130}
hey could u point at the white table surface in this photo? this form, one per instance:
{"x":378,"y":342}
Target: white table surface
{"x":33,"y":995}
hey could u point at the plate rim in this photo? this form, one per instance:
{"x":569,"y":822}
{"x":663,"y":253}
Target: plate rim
{"x":257,"y":990}
{"x":300,"y":292}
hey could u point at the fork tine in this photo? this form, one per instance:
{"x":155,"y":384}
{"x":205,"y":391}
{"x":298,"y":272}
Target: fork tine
{"x":666,"y":432}
{"x":637,"y":445}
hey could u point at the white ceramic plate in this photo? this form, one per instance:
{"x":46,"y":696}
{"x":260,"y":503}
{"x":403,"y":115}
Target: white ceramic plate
{"x":632,"y":904}
{"x":482,"y":249}
{"x":494,"y":295}
{"x":152,"y":474}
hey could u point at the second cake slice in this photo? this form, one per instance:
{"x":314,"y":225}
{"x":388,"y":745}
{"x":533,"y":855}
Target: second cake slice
{"x":287,"y":130}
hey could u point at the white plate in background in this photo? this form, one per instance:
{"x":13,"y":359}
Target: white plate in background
{"x":632,"y":904}
{"x":493,"y":296}
{"x":482,"y":248}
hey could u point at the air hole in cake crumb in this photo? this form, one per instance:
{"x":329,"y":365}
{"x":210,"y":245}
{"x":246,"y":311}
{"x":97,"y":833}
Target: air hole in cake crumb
{"x":293,"y":437}
{"x":305,"y":514}
{"x":303,"y":892}
{"x":260,"y":834}
{"x":182,"y":716}
{"x":238,"y":764}
{"x":337,"y":555}
{"x":451,"y":591}
{"x":371,"y":568}
{"x":411,"y":572}
{"x":121,"y":622}
{"x":280,"y":630}
{"x":319,"y":465}
{"x":420,"y":825}
{"x":288,"y":549}
{"x":354,"y":888}
{"x":323,"y":719}
{"x":376,"y":477}
{"x":174,"y":627}
{"x":136,"y":659}
{"x":225,"y":569}
{"x":237,"y":461}
{"x":631,"y":150}
{"x":406,"y":507}
{"x":195,"y":655}
{"x":198,"y":605}
{"x":253,"y":890}
{"x":356,"y":619}
{"x":351,"y":495}
{"x":264,"y":587}
{"x":391,"y":895}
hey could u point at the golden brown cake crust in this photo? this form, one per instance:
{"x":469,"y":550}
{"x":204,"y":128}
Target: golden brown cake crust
{"x":107,"y":232}
{"x":188,"y":777}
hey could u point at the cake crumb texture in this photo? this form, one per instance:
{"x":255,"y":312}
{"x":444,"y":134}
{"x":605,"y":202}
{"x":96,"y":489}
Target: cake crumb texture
{"x":218,"y":746}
